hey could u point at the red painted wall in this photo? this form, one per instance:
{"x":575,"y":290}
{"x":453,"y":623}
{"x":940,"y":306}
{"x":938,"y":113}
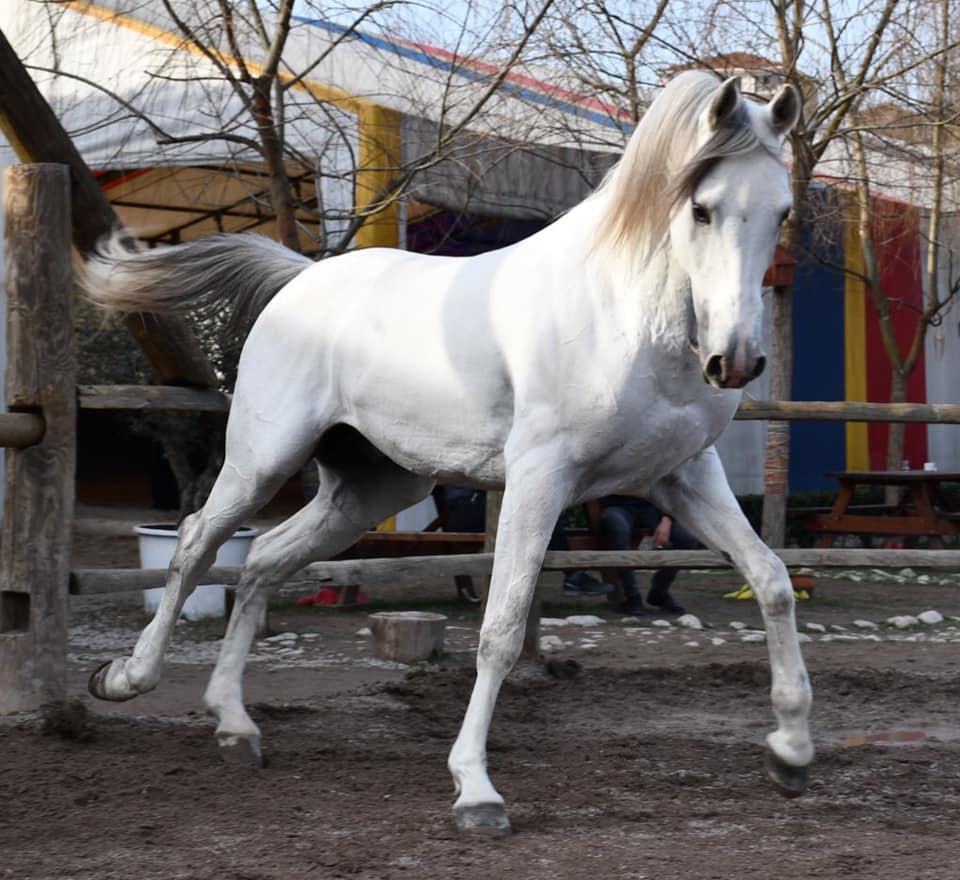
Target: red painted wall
{"x":897,"y":244}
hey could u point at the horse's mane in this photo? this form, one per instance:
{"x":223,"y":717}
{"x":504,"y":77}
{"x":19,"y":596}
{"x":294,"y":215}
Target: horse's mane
{"x":659,"y":168}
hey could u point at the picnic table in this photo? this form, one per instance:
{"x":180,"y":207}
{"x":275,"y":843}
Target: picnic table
{"x":924,"y":509}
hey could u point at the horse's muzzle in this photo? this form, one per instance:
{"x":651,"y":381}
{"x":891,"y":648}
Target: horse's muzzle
{"x":736,"y":369}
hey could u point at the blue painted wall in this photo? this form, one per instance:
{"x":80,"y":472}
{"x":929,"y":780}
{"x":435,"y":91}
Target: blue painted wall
{"x":818,"y":350}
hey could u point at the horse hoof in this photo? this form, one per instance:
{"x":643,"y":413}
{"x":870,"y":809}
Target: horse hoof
{"x":788,"y":780}
{"x":98,"y":685}
{"x":482,"y":820}
{"x":242,"y":751}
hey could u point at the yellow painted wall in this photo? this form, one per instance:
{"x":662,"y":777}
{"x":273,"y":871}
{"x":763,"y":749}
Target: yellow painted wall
{"x":855,"y":334}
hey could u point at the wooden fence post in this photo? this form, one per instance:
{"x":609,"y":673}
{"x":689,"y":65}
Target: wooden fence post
{"x":41,"y":378}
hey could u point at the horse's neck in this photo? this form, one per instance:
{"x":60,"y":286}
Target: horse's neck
{"x":649,"y":295}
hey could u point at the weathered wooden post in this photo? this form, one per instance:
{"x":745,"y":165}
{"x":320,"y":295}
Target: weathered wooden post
{"x":41,"y":378}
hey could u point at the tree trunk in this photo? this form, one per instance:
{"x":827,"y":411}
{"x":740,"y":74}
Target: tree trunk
{"x":895,"y":446}
{"x":281,"y":194}
{"x":776,"y":463}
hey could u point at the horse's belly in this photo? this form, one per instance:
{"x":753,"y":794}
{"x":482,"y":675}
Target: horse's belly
{"x":451,"y":442}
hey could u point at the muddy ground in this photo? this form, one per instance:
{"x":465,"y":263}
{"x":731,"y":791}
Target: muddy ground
{"x":645,"y":764}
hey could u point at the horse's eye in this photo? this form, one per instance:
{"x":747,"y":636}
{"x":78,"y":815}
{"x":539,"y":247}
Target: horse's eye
{"x":700,"y":214}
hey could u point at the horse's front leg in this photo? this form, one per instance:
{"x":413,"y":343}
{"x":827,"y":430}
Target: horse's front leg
{"x":697,"y":494}
{"x":534,"y":497}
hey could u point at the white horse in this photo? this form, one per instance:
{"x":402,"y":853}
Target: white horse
{"x":603,"y":354}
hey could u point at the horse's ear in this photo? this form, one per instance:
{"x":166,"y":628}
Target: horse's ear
{"x":783,"y":111}
{"x":724,"y":102}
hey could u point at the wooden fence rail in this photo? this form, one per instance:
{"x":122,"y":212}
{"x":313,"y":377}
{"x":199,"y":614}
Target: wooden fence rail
{"x":169,"y":397}
{"x":403,"y":570}
{"x":848,"y":411}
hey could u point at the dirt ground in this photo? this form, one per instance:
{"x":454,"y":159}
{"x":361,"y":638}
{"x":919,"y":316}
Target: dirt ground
{"x":645,"y":763}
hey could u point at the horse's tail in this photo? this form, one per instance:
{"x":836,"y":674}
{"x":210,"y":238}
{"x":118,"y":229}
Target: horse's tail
{"x":244,"y":270}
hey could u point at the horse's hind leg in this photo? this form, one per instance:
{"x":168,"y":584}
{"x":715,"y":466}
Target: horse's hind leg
{"x":200,"y":535}
{"x":347,"y":503}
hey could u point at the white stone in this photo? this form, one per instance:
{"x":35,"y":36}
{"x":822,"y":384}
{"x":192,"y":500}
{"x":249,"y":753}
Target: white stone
{"x":837,"y":628}
{"x":665,"y":624}
{"x":690,"y":621}
{"x":364,"y":631}
{"x":737,"y":625}
{"x":930,"y":617}
{"x":691,"y":644}
{"x":547,"y":643}
{"x":585,"y":620}
{"x":923,"y":579}
{"x":631,"y":620}
{"x":815,"y":627}
{"x":907,"y":573}
{"x":552,"y":621}
{"x":903,"y":621}
{"x":803,"y":637}
{"x":716,"y":640}
{"x":753,"y":637}
{"x":865,"y":624}
{"x":282,"y":637}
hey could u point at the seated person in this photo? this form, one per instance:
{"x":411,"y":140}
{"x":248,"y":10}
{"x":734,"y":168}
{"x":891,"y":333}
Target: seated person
{"x":466,"y":508}
{"x":620,"y":515}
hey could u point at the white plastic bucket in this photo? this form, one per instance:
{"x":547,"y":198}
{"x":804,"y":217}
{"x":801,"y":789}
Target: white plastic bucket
{"x":157,"y":543}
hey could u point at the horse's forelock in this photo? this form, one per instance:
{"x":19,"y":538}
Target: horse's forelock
{"x":736,"y":137}
{"x":657,"y":170}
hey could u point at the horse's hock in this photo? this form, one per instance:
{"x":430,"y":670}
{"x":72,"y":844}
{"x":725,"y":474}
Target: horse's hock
{"x":407,"y":636}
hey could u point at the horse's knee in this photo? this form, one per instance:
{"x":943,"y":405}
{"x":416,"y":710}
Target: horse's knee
{"x":775,"y":591}
{"x":779,"y":601}
{"x":498,"y":652}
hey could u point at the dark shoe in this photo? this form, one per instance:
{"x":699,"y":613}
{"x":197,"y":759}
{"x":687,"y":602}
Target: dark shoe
{"x":633,"y":607}
{"x":665,"y":602}
{"x":583,"y":584}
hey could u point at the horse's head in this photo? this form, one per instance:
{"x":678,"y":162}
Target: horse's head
{"x":729,"y":201}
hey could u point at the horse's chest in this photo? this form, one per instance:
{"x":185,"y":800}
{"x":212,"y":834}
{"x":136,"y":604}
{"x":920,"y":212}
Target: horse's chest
{"x":649,"y":438}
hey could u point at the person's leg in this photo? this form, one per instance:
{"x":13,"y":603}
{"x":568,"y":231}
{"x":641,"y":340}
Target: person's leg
{"x":663,"y":578}
{"x":576,"y":582}
{"x":616,"y":527}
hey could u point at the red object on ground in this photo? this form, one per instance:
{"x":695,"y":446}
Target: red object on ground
{"x":331,"y":596}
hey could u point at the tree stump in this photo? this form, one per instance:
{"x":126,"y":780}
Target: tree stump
{"x":407,"y":636}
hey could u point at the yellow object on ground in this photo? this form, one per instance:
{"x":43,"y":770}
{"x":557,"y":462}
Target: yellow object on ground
{"x":746,"y":593}
{"x":743,"y":593}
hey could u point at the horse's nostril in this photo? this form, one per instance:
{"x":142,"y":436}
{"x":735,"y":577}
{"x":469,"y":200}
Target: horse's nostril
{"x":759,"y":367}
{"x":716,"y":368}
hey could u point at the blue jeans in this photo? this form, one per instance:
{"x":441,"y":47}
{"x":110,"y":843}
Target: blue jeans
{"x":619,"y":517}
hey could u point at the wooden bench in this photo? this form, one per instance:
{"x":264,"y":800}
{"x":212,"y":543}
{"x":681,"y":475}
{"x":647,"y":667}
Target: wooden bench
{"x":430,"y":542}
{"x":379,"y":545}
